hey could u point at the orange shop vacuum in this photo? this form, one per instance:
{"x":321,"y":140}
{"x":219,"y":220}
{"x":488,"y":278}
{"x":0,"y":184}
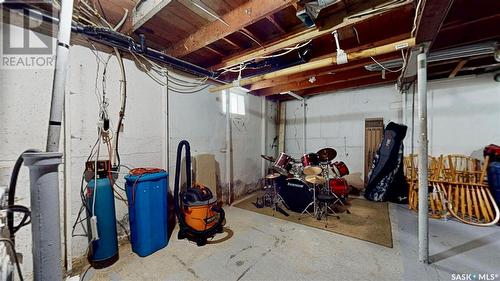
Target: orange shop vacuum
{"x":199,"y":215}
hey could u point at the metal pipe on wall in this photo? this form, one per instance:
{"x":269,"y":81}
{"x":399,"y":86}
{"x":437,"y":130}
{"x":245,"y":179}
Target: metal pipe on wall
{"x":423,"y":191}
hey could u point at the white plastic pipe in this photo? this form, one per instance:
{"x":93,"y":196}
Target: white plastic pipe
{"x":60,"y":71}
{"x":423,"y":191}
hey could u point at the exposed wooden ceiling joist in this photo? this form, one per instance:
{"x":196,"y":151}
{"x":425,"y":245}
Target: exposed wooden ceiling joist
{"x":375,"y":51}
{"x":340,"y":75}
{"x":200,"y":9}
{"x":330,"y":19}
{"x":273,"y":21}
{"x":355,"y":82}
{"x":145,"y":10}
{"x":470,"y":32}
{"x":318,"y":81}
{"x":301,"y":37}
{"x":236,"y":19}
{"x":457,"y":68}
{"x":318,"y":72}
{"x":430,"y":19}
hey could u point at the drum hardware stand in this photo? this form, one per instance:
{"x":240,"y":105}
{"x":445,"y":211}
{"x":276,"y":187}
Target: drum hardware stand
{"x":275,"y":199}
{"x":313,"y":203}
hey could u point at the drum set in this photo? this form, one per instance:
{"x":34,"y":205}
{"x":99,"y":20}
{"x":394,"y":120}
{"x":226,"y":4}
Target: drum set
{"x":312,"y":185}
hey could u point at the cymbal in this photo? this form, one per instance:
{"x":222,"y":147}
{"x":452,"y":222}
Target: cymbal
{"x":272,"y":176}
{"x":315,"y":179}
{"x":312,"y":170}
{"x":327,"y":154}
{"x":268,"y":158}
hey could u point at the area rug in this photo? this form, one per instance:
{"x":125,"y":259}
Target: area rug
{"x":368,"y":221}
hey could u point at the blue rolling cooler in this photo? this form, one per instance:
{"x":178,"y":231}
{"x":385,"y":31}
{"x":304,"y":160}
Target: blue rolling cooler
{"x":147,"y":211}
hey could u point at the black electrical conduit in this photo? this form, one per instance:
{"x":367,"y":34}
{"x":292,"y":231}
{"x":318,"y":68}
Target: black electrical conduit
{"x":109,"y":37}
{"x":119,"y":40}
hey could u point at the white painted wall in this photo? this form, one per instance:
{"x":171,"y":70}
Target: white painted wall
{"x":337,"y":120}
{"x":464,"y":116}
{"x":24,"y":109}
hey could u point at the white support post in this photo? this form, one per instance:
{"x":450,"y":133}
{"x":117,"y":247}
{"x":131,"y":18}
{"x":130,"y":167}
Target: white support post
{"x":304,"y":136}
{"x":423,"y":191}
{"x":263,"y":135}
{"x":229,"y":146}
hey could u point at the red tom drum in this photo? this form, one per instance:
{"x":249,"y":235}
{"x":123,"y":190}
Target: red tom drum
{"x":310,"y":159}
{"x":339,"y":186}
{"x":283,"y":164}
{"x":340,"y":168}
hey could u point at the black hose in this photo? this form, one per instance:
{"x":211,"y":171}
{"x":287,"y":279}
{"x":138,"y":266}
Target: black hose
{"x":177,"y":177}
{"x":182,"y":223}
{"x":12,"y":190}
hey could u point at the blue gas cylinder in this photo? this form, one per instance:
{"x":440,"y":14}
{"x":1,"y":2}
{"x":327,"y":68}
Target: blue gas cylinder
{"x":147,"y":205}
{"x":103,"y":251}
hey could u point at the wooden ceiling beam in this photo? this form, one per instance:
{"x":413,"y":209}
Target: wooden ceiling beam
{"x":469,"y":32}
{"x":236,"y":19}
{"x":369,"y":80}
{"x":145,"y":10}
{"x":273,"y":21}
{"x":322,"y":71}
{"x":337,"y":77}
{"x":457,"y":68}
{"x":230,"y":43}
{"x":430,"y":20}
{"x":303,"y":36}
{"x":214,"y":51}
{"x":251,"y":35}
{"x":199,"y":8}
{"x":325,"y":62}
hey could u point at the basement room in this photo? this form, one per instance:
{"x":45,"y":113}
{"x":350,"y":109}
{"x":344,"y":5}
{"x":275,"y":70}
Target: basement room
{"x":249,"y":140}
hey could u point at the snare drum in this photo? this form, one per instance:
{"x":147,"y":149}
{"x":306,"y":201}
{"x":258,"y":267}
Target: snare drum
{"x":340,"y":168}
{"x":339,"y":187}
{"x":283,"y":164}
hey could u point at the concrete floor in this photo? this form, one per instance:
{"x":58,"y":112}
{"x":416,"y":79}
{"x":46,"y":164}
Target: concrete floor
{"x":264,"y":248}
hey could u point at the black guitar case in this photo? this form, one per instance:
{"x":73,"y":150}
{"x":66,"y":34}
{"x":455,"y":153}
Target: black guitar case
{"x":386,"y":179}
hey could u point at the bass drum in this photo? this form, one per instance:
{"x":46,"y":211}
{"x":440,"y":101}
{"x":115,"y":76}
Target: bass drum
{"x":296,"y":194}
